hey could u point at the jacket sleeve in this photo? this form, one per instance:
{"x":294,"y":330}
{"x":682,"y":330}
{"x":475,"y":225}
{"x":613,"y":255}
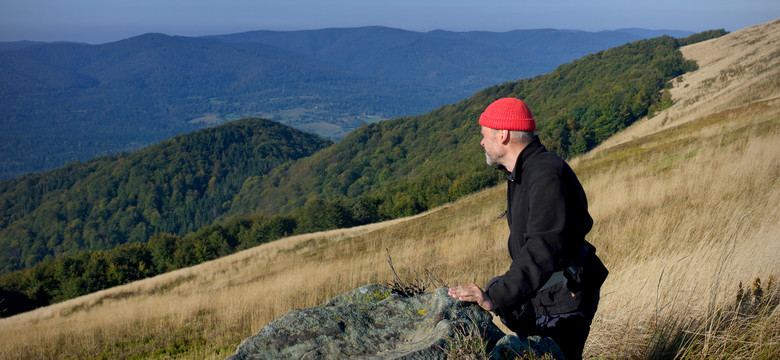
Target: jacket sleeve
{"x":547,"y":226}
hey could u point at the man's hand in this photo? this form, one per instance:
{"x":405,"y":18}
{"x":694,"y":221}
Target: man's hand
{"x":472,"y":293}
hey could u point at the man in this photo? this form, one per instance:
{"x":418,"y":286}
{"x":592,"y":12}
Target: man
{"x":552,"y":285}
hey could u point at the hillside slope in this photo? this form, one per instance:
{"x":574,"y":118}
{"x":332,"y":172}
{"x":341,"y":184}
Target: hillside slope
{"x":682,"y":216}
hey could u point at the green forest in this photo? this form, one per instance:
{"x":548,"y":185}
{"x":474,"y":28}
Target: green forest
{"x":88,"y":226}
{"x":177,"y":186}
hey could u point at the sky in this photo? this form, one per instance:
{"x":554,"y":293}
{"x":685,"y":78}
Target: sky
{"x":101,"y":21}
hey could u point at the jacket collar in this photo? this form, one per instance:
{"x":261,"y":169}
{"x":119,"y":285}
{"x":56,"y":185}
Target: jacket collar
{"x":530,"y":150}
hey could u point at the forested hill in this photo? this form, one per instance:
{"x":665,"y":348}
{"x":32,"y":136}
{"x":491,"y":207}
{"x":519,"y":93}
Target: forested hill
{"x":67,"y":101}
{"x":176,"y":187}
{"x":406,"y":165}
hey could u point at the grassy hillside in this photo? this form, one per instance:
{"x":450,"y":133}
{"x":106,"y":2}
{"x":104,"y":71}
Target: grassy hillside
{"x":684,"y":212}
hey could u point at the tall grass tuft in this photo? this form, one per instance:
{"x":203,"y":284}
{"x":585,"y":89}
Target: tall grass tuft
{"x":468,"y":344}
{"x":747,"y":329}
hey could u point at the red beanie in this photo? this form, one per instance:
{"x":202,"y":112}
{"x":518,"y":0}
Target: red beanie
{"x":508,"y":114}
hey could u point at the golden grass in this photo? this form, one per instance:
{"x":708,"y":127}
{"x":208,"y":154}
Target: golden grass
{"x":683,"y":214}
{"x":682,"y":230}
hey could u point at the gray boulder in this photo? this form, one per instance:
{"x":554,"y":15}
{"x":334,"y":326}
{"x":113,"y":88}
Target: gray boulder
{"x":371,"y":322}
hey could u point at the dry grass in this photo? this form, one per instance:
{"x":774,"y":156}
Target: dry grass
{"x":684,"y":212}
{"x":680,"y":232}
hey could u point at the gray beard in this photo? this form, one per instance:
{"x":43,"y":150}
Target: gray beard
{"x":488,"y":159}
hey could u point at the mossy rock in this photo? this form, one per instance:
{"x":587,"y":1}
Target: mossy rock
{"x":371,"y":322}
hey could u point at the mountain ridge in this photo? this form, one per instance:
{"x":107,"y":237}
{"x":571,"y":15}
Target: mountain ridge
{"x":73,"y":101}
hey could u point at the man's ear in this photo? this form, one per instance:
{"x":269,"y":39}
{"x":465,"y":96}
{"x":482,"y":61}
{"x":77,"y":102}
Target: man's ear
{"x":503,"y":136}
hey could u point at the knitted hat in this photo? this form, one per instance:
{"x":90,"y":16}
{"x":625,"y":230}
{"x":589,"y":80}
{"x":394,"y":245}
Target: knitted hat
{"x":508,"y":114}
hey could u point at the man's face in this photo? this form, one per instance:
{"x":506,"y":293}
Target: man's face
{"x":493,"y":149}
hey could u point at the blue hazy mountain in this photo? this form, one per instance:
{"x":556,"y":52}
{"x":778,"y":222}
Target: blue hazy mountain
{"x":72,"y":101}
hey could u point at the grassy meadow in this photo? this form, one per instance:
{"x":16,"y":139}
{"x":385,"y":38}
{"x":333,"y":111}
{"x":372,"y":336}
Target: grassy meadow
{"x":684,"y":213}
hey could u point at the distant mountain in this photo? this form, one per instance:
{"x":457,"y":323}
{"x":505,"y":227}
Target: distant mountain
{"x":463,"y":61}
{"x":69,"y":101}
{"x":16,"y":45}
{"x":645,"y":33}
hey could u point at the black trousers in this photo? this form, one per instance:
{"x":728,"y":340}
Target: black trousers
{"x":569,"y":330}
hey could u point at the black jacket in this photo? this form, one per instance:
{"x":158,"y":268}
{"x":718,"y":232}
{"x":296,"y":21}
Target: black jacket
{"x":548,"y":218}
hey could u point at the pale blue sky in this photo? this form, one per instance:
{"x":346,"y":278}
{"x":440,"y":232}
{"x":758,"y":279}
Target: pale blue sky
{"x":100,"y":21}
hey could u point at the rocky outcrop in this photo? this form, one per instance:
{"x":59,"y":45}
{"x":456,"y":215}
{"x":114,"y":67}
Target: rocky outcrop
{"x":371,"y":322}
